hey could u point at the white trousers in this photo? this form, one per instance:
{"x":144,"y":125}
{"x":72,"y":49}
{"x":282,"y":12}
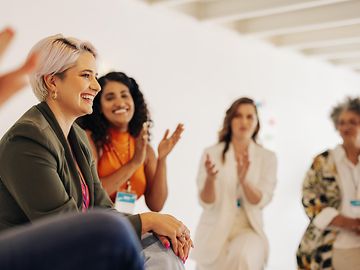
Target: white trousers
{"x":244,"y":249}
{"x":346,"y":259}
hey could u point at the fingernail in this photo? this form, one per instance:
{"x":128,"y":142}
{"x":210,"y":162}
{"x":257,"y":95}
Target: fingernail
{"x":167,"y":245}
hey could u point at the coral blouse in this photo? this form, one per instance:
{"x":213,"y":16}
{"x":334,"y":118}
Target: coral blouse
{"x":116,"y":154}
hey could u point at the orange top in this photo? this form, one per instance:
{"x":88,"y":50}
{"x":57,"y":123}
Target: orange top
{"x":115,"y":155}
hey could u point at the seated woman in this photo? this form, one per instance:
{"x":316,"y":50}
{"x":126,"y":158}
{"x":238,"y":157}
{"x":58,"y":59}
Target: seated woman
{"x":236,"y":180}
{"x":116,"y":245}
{"x":126,"y":161}
{"x":46,"y":166}
{"x":331,"y":198}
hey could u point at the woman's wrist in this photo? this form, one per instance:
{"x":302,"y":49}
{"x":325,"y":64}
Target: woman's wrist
{"x":244,"y":183}
{"x":134,"y":163}
{"x":146,"y":222}
{"x":161,"y":160}
{"x":211,"y":178}
{"x":341,"y":222}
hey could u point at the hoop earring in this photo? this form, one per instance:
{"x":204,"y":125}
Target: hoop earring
{"x":54,"y":95}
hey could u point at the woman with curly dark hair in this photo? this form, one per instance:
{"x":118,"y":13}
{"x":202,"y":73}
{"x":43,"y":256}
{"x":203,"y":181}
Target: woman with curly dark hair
{"x":118,"y":132}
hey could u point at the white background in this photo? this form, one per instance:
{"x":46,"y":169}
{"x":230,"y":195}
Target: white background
{"x":190,"y":72}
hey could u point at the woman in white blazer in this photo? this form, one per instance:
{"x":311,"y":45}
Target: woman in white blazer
{"x":236,"y":180}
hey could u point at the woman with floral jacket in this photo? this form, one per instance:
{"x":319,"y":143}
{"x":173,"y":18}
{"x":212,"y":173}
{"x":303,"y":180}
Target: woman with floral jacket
{"x":331,"y":198}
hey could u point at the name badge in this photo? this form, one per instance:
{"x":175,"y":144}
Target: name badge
{"x":355,"y":208}
{"x":125,"y":202}
{"x":355,"y":202}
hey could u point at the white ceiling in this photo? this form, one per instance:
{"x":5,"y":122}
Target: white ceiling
{"x":327,"y":29}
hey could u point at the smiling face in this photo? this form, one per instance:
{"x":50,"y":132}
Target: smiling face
{"x":244,"y":122}
{"x":117,"y":104}
{"x":77,"y":87}
{"x":348,"y":125}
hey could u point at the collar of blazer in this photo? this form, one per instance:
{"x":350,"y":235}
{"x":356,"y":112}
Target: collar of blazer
{"x":78,"y":149}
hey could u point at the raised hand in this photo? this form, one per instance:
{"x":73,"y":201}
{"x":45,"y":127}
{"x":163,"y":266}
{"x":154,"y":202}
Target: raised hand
{"x":210,"y":168}
{"x":12,"y":82}
{"x":243,"y":163}
{"x":167,"y":144}
{"x":6,"y":36}
{"x":141,"y":145}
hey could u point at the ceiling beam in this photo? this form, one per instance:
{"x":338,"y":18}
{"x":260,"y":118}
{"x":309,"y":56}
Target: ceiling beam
{"x":326,"y":16}
{"x":224,"y":11}
{"x":320,"y":38}
{"x":346,"y":58}
{"x":332,"y":49}
{"x":332,"y":52}
{"x":170,"y":3}
{"x":349,"y":62}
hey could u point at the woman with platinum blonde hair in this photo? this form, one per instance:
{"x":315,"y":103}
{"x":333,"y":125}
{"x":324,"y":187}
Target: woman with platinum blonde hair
{"x":46,"y":166}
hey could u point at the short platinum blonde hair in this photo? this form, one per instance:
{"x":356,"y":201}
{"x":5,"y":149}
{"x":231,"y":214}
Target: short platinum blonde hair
{"x":56,"y":54}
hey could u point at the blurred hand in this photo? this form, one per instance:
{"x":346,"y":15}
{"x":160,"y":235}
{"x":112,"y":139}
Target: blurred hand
{"x":210,"y":168}
{"x":12,"y":82}
{"x":167,"y":144}
{"x":352,"y":224}
{"x":243,"y":163}
{"x":6,"y":36}
{"x":141,"y":145}
{"x":347,"y":223}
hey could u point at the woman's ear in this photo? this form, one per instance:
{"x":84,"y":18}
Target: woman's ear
{"x":50,"y":82}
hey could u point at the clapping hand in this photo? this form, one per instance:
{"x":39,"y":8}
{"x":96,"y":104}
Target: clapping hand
{"x":243,"y":163}
{"x":141,"y":145}
{"x":210,"y":168}
{"x":167,"y":144}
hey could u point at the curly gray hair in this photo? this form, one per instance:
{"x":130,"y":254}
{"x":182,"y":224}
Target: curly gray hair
{"x":350,"y":104}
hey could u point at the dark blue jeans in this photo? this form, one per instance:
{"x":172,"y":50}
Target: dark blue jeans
{"x":95,"y":240}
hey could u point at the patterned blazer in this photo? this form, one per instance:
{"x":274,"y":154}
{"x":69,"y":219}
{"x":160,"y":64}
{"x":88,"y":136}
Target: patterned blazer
{"x":320,"y":190}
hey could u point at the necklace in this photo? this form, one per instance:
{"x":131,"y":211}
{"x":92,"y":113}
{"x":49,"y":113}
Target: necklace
{"x":120,"y":158}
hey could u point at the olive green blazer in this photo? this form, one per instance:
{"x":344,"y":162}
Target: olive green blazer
{"x":38,"y":176}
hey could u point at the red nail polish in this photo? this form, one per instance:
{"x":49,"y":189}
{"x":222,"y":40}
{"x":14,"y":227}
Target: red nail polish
{"x":167,"y":245}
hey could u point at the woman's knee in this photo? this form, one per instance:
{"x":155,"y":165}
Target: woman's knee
{"x":159,"y":257}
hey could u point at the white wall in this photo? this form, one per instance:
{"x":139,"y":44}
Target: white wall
{"x":190,"y":72}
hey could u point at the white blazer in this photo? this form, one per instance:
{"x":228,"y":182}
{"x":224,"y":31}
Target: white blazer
{"x":218,"y":217}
